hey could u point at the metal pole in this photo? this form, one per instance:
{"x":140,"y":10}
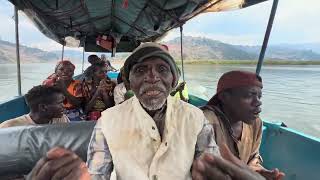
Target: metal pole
{"x":62,"y":53}
{"x":181,"y":51}
{"x":83,"y":59}
{"x":16,"y":18}
{"x":267,"y":35}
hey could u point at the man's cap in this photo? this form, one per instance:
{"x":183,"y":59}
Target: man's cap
{"x":236,"y":79}
{"x":148,"y":50}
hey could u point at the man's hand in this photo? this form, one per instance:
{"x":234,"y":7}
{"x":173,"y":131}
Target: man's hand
{"x":105,"y":86}
{"x":209,"y":167}
{"x":180,"y":87}
{"x":59,"y":83}
{"x":274,"y":174}
{"x":60,"y":164}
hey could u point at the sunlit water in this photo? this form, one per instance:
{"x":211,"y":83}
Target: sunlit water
{"x":291,"y":93}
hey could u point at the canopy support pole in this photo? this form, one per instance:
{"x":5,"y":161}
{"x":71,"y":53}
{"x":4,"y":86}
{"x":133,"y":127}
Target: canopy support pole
{"x":83,"y":59}
{"x":62,"y":53}
{"x":16,"y":18}
{"x":181,"y":51}
{"x":267,"y":35}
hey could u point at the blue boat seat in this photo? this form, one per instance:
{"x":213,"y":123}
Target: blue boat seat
{"x":22,"y":146}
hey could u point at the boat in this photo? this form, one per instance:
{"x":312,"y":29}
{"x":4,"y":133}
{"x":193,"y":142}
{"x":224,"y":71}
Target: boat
{"x":121,"y":28}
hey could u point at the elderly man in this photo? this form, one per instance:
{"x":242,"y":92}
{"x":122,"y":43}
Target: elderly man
{"x":234,"y":114}
{"x":152,"y":135}
{"x":46,"y":107}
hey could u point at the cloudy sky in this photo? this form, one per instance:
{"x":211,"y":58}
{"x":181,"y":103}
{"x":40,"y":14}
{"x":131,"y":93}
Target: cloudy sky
{"x":295,"y":22}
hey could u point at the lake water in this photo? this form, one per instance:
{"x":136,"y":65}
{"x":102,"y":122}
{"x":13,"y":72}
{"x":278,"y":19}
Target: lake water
{"x":291,"y":93}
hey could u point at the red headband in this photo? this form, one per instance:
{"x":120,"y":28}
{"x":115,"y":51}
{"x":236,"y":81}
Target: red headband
{"x":65,"y":62}
{"x":235,"y":79}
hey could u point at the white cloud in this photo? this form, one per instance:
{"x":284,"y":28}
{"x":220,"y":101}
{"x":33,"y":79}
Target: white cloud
{"x":51,"y":45}
{"x":295,"y":22}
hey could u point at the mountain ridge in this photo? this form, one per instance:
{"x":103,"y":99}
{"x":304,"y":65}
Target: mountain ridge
{"x":200,"y":48}
{"x":195,"y":49}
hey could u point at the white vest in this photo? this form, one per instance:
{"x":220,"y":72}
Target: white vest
{"x":135,"y":143}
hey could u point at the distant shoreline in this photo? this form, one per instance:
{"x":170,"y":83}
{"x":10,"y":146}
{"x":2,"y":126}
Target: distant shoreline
{"x":250,"y":62}
{"x":200,"y":62}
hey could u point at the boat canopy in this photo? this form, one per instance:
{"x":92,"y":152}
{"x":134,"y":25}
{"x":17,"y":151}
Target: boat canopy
{"x":121,"y":25}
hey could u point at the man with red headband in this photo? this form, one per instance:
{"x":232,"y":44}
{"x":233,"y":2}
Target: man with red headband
{"x":234,"y":113}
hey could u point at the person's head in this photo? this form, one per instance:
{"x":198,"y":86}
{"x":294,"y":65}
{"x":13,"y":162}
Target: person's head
{"x":46,"y":102}
{"x":152,"y":73}
{"x":239,"y":93}
{"x":65,"y":70}
{"x":103,"y":57}
{"x":97,"y":70}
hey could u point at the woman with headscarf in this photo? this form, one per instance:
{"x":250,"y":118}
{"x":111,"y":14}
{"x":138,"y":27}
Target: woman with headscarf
{"x":97,"y":88}
{"x":62,"y":78}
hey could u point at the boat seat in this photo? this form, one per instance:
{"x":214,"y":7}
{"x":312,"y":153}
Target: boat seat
{"x":22,"y":146}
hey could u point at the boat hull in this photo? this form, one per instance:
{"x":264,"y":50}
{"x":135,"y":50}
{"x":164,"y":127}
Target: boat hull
{"x":293,"y":152}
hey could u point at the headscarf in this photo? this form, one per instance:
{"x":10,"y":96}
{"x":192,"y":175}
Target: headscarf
{"x":50,"y":80}
{"x":235,"y":79}
{"x":64,"y":62}
{"x":148,"y":50}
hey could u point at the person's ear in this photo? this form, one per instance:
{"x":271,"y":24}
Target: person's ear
{"x":42,"y":107}
{"x":223,"y":97}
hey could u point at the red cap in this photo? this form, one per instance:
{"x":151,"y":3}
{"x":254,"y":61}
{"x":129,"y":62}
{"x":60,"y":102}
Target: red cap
{"x":235,"y":79}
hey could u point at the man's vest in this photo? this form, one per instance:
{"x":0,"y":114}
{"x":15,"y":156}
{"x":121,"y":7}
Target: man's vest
{"x":135,"y":143}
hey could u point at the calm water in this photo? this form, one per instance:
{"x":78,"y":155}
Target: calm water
{"x":291,"y":93}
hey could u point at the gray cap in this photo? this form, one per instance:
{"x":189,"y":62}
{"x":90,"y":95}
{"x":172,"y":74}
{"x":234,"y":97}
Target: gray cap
{"x":148,"y":50}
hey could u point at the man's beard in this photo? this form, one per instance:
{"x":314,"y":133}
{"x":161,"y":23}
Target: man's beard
{"x":153,"y":103}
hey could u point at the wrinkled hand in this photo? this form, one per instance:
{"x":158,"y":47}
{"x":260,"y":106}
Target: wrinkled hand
{"x":180,"y":87}
{"x":274,"y":174}
{"x":105,"y":86}
{"x":60,"y":164}
{"x":209,"y":167}
{"x":59,"y":83}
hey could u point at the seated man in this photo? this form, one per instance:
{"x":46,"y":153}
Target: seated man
{"x":234,"y":114}
{"x":46,"y":107}
{"x":151,"y":135}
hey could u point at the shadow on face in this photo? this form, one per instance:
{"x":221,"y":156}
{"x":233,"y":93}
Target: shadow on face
{"x":52,"y":108}
{"x":151,"y":81}
{"x":65,"y":71}
{"x":242,"y":103}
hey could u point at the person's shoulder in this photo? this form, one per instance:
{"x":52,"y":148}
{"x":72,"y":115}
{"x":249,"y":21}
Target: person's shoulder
{"x":18,"y":121}
{"x":210,"y":114}
{"x":76,"y":82}
{"x":257,"y":123}
{"x":184,"y":106}
{"x":120,"y":108}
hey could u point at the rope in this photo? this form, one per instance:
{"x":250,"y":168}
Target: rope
{"x":181,"y":51}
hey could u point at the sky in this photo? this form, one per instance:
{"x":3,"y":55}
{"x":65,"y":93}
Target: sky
{"x":295,"y":23}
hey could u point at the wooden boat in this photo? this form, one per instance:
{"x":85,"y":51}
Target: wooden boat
{"x":120,"y":26}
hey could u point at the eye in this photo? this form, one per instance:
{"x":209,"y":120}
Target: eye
{"x":163,"y":68}
{"x":140,"y":69}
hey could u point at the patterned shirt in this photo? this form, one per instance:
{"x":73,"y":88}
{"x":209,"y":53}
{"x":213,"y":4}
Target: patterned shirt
{"x":99,"y":159}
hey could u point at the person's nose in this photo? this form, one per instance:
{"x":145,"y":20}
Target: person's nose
{"x":152,"y":76}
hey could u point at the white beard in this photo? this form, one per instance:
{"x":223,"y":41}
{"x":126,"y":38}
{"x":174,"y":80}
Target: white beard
{"x":153,"y":104}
